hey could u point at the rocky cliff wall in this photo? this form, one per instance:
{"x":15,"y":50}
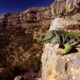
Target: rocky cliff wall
{"x":41,"y":15}
{"x":62,"y":67}
{"x":33,"y":15}
{"x":62,"y":14}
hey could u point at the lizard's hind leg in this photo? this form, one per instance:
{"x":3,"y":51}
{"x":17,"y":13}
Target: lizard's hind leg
{"x":67,"y":49}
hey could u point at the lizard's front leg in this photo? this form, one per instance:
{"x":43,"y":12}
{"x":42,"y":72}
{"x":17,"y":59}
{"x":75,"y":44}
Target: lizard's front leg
{"x":67,"y":49}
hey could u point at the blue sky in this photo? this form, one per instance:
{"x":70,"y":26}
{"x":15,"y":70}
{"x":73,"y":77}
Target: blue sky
{"x":14,"y":6}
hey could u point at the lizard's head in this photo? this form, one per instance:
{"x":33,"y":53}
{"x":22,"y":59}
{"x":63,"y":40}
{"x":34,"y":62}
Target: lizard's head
{"x":47,"y":37}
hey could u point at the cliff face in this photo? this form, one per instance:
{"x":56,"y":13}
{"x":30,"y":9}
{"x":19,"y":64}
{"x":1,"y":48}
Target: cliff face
{"x":15,"y":28}
{"x":42,"y":15}
{"x":30,"y":16}
{"x":59,"y":67}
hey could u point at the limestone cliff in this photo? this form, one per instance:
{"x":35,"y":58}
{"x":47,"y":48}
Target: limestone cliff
{"x":15,"y":28}
{"x":59,"y":67}
{"x":42,"y":15}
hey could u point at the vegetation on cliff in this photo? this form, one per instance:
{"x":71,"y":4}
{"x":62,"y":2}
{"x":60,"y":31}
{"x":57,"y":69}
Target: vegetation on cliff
{"x":19,"y":52}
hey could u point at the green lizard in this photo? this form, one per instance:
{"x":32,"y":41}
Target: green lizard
{"x":67,"y":39}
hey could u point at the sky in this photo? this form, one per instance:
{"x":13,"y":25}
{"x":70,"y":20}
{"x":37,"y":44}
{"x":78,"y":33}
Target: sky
{"x":13,"y":6}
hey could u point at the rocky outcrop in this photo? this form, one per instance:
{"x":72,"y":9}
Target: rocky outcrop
{"x":65,"y":7}
{"x":59,"y":67}
{"x":18,"y":34}
{"x":30,"y":16}
{"x":62,"y":67}
{"x":42,"y":15}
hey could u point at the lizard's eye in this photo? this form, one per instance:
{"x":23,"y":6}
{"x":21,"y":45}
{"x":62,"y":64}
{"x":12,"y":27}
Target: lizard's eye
{"x":43,"y":36}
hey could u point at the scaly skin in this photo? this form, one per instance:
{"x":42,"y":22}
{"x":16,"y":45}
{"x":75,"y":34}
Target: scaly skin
{"x":67,"y":39}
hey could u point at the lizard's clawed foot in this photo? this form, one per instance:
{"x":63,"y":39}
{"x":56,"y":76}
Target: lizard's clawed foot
{"x":67,"y":49}
{"x":58,"y":53}
{"x":61,"y":53}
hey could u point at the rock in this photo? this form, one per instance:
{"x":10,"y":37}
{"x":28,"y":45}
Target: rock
{"x":59,"y":67}
{"x":19,"y":32}
{"x":60,"y":23}
{"x":41,"y":15}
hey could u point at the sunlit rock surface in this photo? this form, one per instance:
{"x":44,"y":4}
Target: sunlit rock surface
{"x":62,"y":23}
{"x":41,"y":15}
{"x":18,"y":45}
{"x":59,"y":67}
{"x":62,"y":67}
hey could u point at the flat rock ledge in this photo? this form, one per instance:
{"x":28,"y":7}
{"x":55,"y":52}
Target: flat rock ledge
{"x":59,"y":67}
